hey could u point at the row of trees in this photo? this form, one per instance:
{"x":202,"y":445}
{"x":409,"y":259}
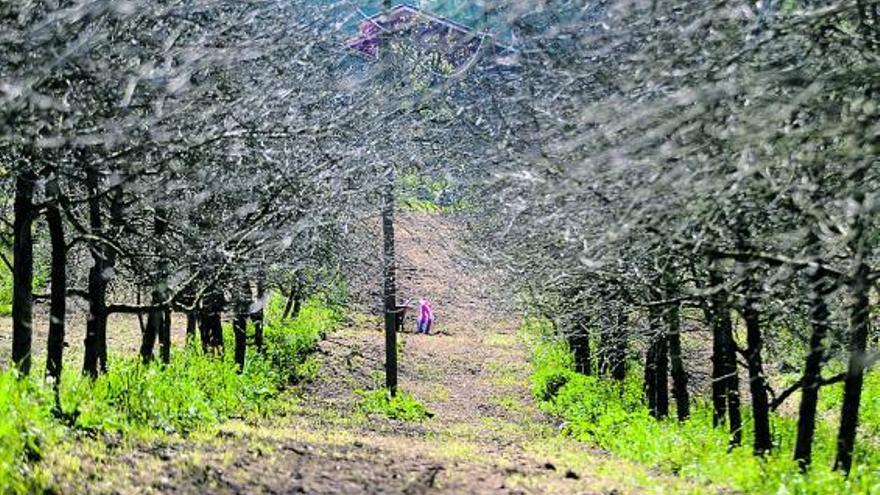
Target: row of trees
{"x":196,"y":152}
{"x":193,"y":156}
{"x":702,"y":160}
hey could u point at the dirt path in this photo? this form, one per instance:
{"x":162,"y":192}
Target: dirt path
{"x":486,"y":436}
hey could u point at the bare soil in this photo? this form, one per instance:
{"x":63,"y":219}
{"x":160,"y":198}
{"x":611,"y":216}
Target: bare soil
{"x":486,"y":435}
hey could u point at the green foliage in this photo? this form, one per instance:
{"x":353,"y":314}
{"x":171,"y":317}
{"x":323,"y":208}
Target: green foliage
{"x":5,"y":291}
{"x":403,"y":406}
{"x":27,"y":429}
{"x":613,"y":417}
{"x":193,"y":391}
{"x":41,"y":279}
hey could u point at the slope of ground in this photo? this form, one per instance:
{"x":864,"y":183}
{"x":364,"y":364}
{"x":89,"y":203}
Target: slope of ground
{"x":486,"y":435}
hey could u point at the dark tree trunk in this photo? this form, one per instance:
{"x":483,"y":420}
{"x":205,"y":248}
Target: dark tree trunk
{"x":97,"y":282}
{"x":724,"y":359}
{"x":763,"y":442}
{"x":757,"y":384}
{"x":297,"y":306}
{"x":580,"y":346}
{"x":719,"y":386}
{"x":603,"y":347}
{"x":192,"y":322}
{"x":389,"y":285}
{"x":156,"y":320}
{"x":151,"y":332}
{"x":679,"y":375}
{"x":619,"y":344}
{"x":811,"y":381}
{"x":23,"y":271}
{"x":211,"y":325}
{"x":294,"y":301}
{"x":258,"y":316}
{"x":656,"y":368}
{"x":165,"y":337}
{"x":242,"y":304}
{"x":57,"y":296}
{"x":650,"y":379}
{"x":859,"y":288}
{"x":239,"y":330}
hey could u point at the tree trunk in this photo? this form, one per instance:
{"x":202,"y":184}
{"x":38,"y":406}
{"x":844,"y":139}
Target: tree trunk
{"x":812,"y":378}
{"x":239,"y":330}
{"x":293,"y":303}
{"x":97,"y":286}
{"x":679,"y":375}
{"x":258,"y":316}
{"x":151,"y":332}
{"x":763,"y":442}
{"x":619,"y":341}
{"x":165,"y":337}
{"x":724,"y":359}
{"x":155,"y":328}
{"x":757,"y":385}
{"x":192,"y":322}
{"x":656,"y":368}
{"x":859,"y":288}
{"x":580,"y":346}
{"x":211,"y":325}
{"x":57,"y":296}
{"x":23,"y":271}
{"x":719,"y":387}
{"x":389,"y":285}
{"x":242,"y":307}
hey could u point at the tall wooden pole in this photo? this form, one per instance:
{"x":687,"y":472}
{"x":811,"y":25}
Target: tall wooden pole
{"x":389,"y":284}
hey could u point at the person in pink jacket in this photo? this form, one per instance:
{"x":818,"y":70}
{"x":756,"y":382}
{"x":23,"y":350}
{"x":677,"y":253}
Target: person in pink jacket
{"x":426,"y":316}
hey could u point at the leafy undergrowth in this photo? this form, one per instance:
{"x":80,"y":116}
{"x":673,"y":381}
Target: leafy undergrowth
{"x":195,"y":391}
{"x":403,"y":406}
{"x":614,"y":417}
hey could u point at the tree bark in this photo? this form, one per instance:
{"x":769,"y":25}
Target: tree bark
{"x":242,"y":308}
{"x":679,"y":374}
{"x":725,"y":374}
{"x":656,"y":368}
{"x":763,"y":442}
{"x":619,"y":345}
{"x":292,"y":307}
{"x":23,"y":271}
{"x":211,"y":325}
{"x":192,"y":322}
{"x":258,"y":316}
{"x":57,"y":296}
{"x":151,"y":332}
{"x":812,"y":378}
{"x":859,"y":287}
{"x":97,"y":283}
{"x":389,"y":285}
{"x":719,"y":386}
{"x":580,"y":346}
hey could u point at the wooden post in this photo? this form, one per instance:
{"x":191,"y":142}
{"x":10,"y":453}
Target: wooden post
{"x":389,"y":285}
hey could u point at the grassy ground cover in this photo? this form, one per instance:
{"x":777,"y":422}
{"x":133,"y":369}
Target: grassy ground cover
{"x":195,"y":391}
{"x":614,"y":417}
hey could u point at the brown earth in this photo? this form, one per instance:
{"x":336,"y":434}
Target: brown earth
{"x":486,"y":435}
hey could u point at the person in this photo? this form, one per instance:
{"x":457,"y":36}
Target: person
{"x":426,"y":316}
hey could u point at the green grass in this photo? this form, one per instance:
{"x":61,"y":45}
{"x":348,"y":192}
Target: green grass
{"x":403,"y":406}
{"x":614,"y":417}
{"x":195,"y":391}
